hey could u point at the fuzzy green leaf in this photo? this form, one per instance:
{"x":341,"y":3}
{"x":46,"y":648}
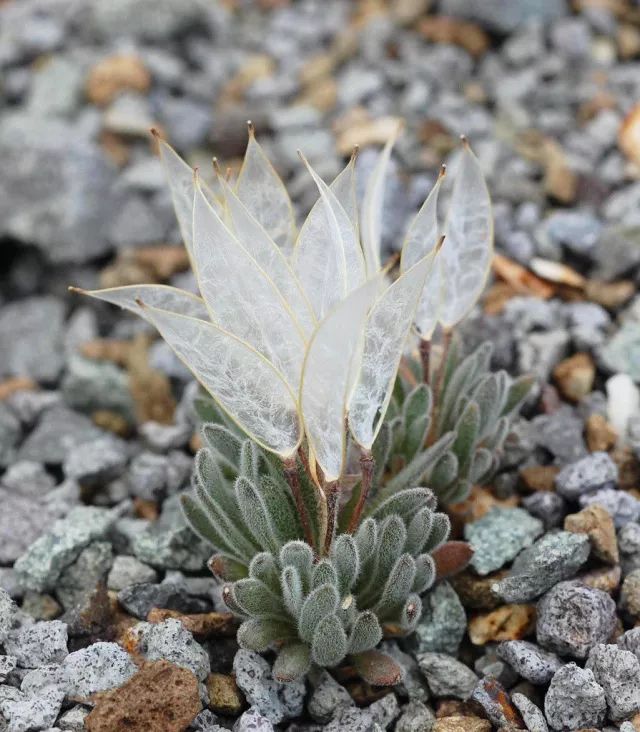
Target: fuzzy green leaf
{"x":255,"y":515}
{"x":292,"y":663}
{"x":264,"y":567}
{"x":347,"y":562}
{"x":366,"y":632}
{"x":226,"y":568}
{"x":256,"y":599}
{"x":517,"y":393}
{"x":412,"y":474}
{"x":405,"y":504}
{"x":329,"y":644}
{"x":321,"y":602}
{"x":425,"y":573}
{"x":223,"y":444}
{"x":257,"y":634}
{"x":292,"y":590}
{"x":495,"y":441}
{"x":381,"y":451}
{"x":398,"y":585}
{"x":281,"y":508}
{"x":250,"y":461}
{"x":202,"y":525}
{"x":324,"y":573}
{"x":418,"y":531}
{"x":298,"y":554}
{"x":410,"y":613}
{"x":481,"y":463}
{"x":444,"y":472}
{"x":366,"y":538}
{"x":440,"y":529}
{"x":466,"y":429}
{"x":416,"y":414}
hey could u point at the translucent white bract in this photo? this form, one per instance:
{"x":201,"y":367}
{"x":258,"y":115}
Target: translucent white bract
{"x":385,"y":332}
{"x":244,"y":383}
{"x":326,"y":378}
{"x":241,"y":296}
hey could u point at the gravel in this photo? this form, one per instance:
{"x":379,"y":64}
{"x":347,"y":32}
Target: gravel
{"x":574,"y":699}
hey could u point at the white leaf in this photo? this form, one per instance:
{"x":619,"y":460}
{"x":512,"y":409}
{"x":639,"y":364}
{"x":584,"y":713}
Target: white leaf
{"x":468,"y":246}
{"x":326,"y":378}
{"x":179,"y":175}
{"x":423,"y":233}
{"x":385,"y":333}
{"x":241,"y":297}
{"x":343,"y":188}
{"x":371,"y":225}
{"x":157,"y":296}
{"x":269,"y":256}
{"x":428,"y":311}
{"x":242,"y":381}
{"x":260,"y":189}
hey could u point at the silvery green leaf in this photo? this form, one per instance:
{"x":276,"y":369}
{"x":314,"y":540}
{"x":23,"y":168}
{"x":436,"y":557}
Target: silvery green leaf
{"x":385,"y":333}
{"x":323,"y":573}
{"x":262,"y":192}
{"x":421,"y":463}
{"x":440,"y":529}
{"x":269,"y":257}
{"x":468,"y":246}
{"x":226,"y":569}
{"x":381,"y":452}
{"x":347,"y":562}
{"x":264,"y":567}
{"x":292,"y":592}
{"x":425,"y":573}
{"x":250,"y":461}
{"x":405,"y":503}
{"x":281,"y":508}
{"x":224,"y":445}
{"x":480,"y":464}
{"x":466,"y":430}
{"x":241,"y":380}
{"x":411,"y":613}
{"x":444,"y":472}
{"x":329,"y":644}
{"x":240,"y":295}
{"x":202,"y":523}
{"x":366,"y":632}
{"x":257,"y":634}
{"x":366,"y":538}
{"x":418,"y":530}
{"x":298,"y":554}
{"x":319,"y":603}
{"x":326,"y":384}
{"x":517,"y":393}
{"x":156,"y":296}
{"x":292,"y":663}
{"x":256,"y":599}
{"x":430,"y":305}
{"x":397,"y":587}
{"x":372,"y":206}
{"x":416,"y":413}
{"x":255,"y":515}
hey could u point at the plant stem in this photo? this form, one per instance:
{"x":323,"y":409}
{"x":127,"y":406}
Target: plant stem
{"x":367,"y":465}
{"x":425,"y":354}
{"x":332,"y":491}
{"x":293,"y":479}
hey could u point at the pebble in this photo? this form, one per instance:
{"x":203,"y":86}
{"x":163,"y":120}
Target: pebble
{"x":529,"y":660}
{"x":553,"y":558}
{"x":618,"y":673}
{"x":630,"y":641}
{"x":416,"y":717}
{"x":446,"y":675}
{"x":597,"y":524}
{"x":91,"y":386}
{"x":629,"y":546}
{"x":461,"y":723}
{"x":73,"y":720}
{"x":560,"y":434}
{"x":22,"y":520}
{"x":549,"y":507}
{"x":7,"y":664}
{"x":507,"y":622}
{"x":171,"y":641}
{"x":574,"y":699}
{"x":630,"y":595}
{"x":38,"y":644}
{"x":597,"y":470}
{"x":44,"y":561}
{"x":140,"y":599}
{"x":622,"y":506}
{"x":499,"y":536}
{"x":327,"y":698}
{"x":162,"y":437}
{"x":99,"y":667}
{"x":224,"y":695}
{"x":81,"y":577}
{"x":250,"y":721}
{"x":127,"y":570}
{"x":353,"y":719}
{"x":620,"y":354}
{"x":496,"y":704}
{"x":272,"y":699}
{"x":530,"y":713}
{"x":443,"y":622}
{"x":96,"y":462}
{"x":25,"y":712}
{"x":573,"y":619}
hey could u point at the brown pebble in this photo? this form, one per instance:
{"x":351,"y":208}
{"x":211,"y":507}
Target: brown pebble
{"x":628,"y":468}
{"x":574,"y":376}
{"x":201,"y":625}
{"x":461,"y":724}
{"x":453,"y":31}
{"x":14,"y":384}
{"x":115,"y":74}
{"x":475,"y":592}
{"x":509,"y":622}
{"x":599,"y":433}
{"x":596,"y":522}
{"x":161,"y":697}
{"x":630,"y":595}
{"x":224,"y":695}
{"x":144,"y":508}
{"x":496,"y":703}
{"x":606,"y":579}
{"x":455,"y":708}
{"x":611,"y":295}
{"x":539,"y":477}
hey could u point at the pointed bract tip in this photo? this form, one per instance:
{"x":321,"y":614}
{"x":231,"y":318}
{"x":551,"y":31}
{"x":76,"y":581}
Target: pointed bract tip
{"x":464,"y":141}
{"x":76,"y":290}
{"x":355,"y":152}
{"x":440,"y":243}
{"x":139,"y":303}
{"x":443,"y":171}
{"x":216,"y":165}
{"x":156,"y":134}
{"x":250,"y":128}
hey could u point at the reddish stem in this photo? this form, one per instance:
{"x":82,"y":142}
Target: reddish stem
{"x":293,"y":479}
{"x":367,"y":466}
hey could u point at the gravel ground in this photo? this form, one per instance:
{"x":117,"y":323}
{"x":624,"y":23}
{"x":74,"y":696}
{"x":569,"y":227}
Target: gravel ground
{"x":108,"y":618}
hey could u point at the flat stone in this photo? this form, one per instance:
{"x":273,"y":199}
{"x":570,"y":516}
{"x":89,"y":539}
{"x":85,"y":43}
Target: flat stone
{"x":499,"y":536}
{"x":621,"y":354}
{"x":502,"y":16}
{"x":172,"y":642}
{"x":272,"y":699}
{"x":127,"y":570}
{"x":90,"y":386}
{"x":97,"y":461}
{"x":84,"y":574}
{"x":447,"y":676}
{"x":618,"y":673}
{"x":531,"y":714}
{"x":73,"y":719}
{"x":140,"y":599}
{"x":495,"y":702}
{"x":444,"y":621}
{"x":561,"y":433}
{"x":529,"y":660}
{"x":161,"y":697}
{"x":573,"y":618}
{"x":42,"y":564}
{"x":99,"y":667}
{"x":553,"y":558}
{"x":508,"y":622}
{"x":327,"y":698}
{"x":594,"y":471}
{"x":38,"y":644}
{"x":596,"y":522}
{"x":22,"y":521}
{"x":574,"y":699}
{"x":622,"y":506}
{"x":26,"y":712}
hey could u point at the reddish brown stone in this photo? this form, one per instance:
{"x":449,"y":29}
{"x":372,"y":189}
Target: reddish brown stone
{"x":115,"y":74}
{"x":606,"y":579}
{"x":596,"y":522}
{"x":599,"y":433}
{"x":574,"y":376}
{"x":539,"y":477}
{"x":200,"y":625}
{"x":509,"y":622}
{"x":161,"y":697}
{"x":475,"y":592}
{"x":461,"y":724}
{"x":224,"y":695}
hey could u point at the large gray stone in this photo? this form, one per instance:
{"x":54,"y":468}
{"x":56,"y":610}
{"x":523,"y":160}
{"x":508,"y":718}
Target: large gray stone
{"x":443,"y":623}
{"x":38,"y":644}
{"x":99,"y":667}
{"x":574,"y":699}
{"x":170,"y":640}
{"x":587,"y":474}
{"x":446,"y":675}
{"x":531,"y":662}
{"x":618,"y":673}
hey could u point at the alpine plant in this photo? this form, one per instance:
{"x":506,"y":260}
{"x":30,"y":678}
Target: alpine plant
{"x":298,"y":335}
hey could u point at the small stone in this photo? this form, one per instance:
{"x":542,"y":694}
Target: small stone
{"x":561,"y":434}
{"x":327,"y":698}
{"x":574,"y":699}
{"x":250,"y":721}
{"x":539,"y":477}
{"x":43,"y":563}
{"x":630,"y":595}
{"x":447,"y":676}
{"x":164,"y":437}
{"x":530,"y":661}
{"x":99,"y":667}
{"x":224,"y":695}
{"x":509,"y":622}
{"x":629,"y":135}
{"x":549,"y":507}
{"x":531,"y":714}
{"x":114,"y":74}
{"x":26,"y":712}
{"x":147,"y":476}
{"x":274,"y":700}
{"x":574,"y":376}
{"x":38,"y":644}
{"x":84,"y":574}
{"x":499,"y":536}
{"x":139,"y":599}
{"x":597,"y":524}
{"x":458,"y":723}
{"x":443,"y":621}
{"x":618,"y":673}
{"x":606,"y":579}
{"x":8,"y":612}
{"x":7,"y":664}
{"x":127,"y":570}
{"x":475,"y":592}
{"x":41,"y":606}
{"x":600,"y":434}
{"x":384,"y":710}
{"x":96,"y":462}
{"x":622,"y":506}
{"x":572,"y":619}
{"x":592,"y":472}
{"x":353,"y":719}
{"x":161,"y":697}
{"x":22,"y":521}
{"x":172,"y":642}
{"x":73,"y":719}
{"x":620,"y":353}
{"x":416,"y":717}
{"x":495,"y":702}
{"x":553,"y":558}
{"x":201,"y":625}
